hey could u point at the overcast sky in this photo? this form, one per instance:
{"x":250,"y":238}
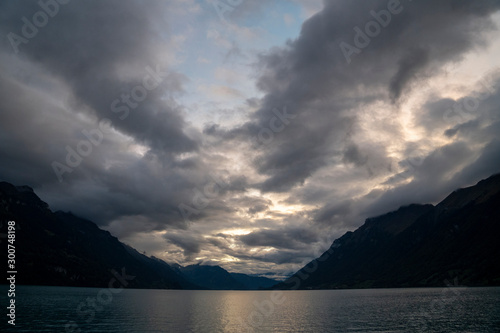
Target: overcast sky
{"x":250,"y":133}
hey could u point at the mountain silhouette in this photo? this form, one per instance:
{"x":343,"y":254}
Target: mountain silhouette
{"x":217,"y":278}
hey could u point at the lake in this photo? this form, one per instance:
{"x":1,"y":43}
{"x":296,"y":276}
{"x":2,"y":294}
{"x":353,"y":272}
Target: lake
{"x":64,"y":309}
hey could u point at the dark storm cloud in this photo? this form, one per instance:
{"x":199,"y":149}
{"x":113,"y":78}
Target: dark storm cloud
{"x":473,"y":117}
{"x":284,"y":256}
{"x":286,"y":238}
{"x":24,"y":159}
{"x":257,"y":209}
{"x":91,"y":45}
{"x":191,"y":245}
{"x":353,"y":155}
{"x":334,"y":211}
{"x":250,"y":204}
{"x":310,"y":76}
{"x":469,"y":113}
{"x":465,"y":127}
{"x":433,"y":118}
{"x":408,"y":66}
{"x":486,"y":165}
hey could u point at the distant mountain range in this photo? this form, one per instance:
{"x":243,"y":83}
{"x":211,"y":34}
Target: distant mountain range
{"x":61,"y":249}
{"x":217,"y":278}
{"x":416,"y":246}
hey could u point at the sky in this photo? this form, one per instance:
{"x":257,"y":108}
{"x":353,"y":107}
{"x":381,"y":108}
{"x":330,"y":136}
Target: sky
{"x":245,"y":133}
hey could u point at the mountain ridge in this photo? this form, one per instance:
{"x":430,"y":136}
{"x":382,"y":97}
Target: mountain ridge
{"x":217,"y":278}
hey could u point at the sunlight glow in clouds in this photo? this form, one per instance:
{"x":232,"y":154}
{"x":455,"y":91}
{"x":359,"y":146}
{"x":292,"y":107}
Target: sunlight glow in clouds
{"x":237,"y":232}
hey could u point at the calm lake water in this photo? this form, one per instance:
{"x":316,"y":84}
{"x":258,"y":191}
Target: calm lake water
{"x":61,"y":309}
